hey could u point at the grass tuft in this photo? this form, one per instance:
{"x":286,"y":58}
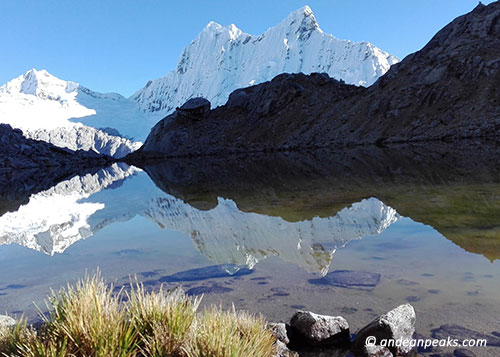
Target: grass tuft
{"x":88,"y":319}
{"x":232,"y":334}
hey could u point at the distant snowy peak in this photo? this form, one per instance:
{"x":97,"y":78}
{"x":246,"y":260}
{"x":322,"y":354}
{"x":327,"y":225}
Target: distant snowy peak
{"x":39,"y":83}
{"x":43,"y":85}
{"x":224,"y":58}
{"x":51,"y":109}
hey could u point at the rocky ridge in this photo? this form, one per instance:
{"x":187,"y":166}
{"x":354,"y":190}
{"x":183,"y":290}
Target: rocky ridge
{"x":18,"y":152}
{"x":446,"y":91}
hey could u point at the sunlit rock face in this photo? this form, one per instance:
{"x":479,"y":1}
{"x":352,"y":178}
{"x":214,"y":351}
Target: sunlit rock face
{"x":56,"y":218}
{"x":225,"y":234}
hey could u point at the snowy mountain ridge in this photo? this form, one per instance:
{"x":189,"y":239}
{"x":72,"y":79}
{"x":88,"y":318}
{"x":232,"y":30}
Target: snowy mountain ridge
{"x":218,"y":61}
{"x":224,"y":58}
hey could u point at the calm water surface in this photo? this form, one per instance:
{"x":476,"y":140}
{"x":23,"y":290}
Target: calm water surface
{"x":354,"y":235}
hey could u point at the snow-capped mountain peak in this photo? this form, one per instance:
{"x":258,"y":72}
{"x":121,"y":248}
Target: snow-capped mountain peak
{"x":219,"y":60}
{"x":224,"y":58}
{"x":301,"y":20}
{"x":51,"y":109}
{"x":42,"y":84}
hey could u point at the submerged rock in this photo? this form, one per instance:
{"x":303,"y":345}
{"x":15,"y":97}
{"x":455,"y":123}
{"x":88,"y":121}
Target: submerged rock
{"x":462,"y":352}
{"x":210,"y":272}
{"x":461,"y":333}
{"x":320,"y":330}
{"x":214,"y":289}
{"x":349,"y":279}
{"x":396,"y":325}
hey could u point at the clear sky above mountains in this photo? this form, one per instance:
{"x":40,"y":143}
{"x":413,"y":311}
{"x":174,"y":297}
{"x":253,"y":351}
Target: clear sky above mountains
{"x":117,"y":45}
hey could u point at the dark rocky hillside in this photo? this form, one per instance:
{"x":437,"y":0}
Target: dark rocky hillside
{"x":446,"y":91}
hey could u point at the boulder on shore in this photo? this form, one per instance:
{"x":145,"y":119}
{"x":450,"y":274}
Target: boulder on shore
{"x":395,"y":327}
{"x":320,"y":330}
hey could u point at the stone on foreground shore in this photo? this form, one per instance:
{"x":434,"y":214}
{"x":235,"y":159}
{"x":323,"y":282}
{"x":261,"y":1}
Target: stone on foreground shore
{"x":376,"y":351}
{"x":280,"y":331}
{"x":397,"y":325}
{"x":320,"y":330}
{"x":6,"y":321}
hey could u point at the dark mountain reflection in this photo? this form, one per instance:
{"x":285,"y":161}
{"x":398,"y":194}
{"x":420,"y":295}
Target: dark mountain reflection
{"x":300,"y":206}
{"x":453,"y":188}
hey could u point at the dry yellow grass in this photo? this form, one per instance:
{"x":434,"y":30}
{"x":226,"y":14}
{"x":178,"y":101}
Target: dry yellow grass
{"x":87,"y":319}
{"x":231,"y":334}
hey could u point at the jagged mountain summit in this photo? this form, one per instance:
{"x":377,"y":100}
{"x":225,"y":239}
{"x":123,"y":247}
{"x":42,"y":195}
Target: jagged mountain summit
{"x":47,"y":108}
{"x":446,"y":91}
{"x":224,"y":58}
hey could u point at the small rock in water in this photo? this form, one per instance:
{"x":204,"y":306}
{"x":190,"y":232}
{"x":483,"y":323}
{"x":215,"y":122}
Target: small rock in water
{"x":210,"y":272}
{"x":462,"y":352}
{"x":214,"y":289}
{"x":320,"y":330}
{"x":462,"y":333}
{"x":406,"y":282}
{"x":413,"y":298}
{"x":349,"y":279}
{"x":397,"y":324}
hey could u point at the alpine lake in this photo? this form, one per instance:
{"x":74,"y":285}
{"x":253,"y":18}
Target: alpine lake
{"x":352,"y":233}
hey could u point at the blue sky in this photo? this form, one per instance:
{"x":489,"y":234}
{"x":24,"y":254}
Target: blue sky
{"x":116,"y":46}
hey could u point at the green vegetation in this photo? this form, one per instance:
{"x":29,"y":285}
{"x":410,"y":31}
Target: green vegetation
{"x":88,"y":319}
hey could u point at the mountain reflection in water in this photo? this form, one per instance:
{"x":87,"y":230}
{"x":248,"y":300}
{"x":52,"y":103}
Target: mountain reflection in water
{"x":300,"y":207}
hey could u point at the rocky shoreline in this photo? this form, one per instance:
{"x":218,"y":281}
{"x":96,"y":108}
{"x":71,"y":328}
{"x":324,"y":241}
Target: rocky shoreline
{"x":391,"y":334}
{"x":310,"y":334}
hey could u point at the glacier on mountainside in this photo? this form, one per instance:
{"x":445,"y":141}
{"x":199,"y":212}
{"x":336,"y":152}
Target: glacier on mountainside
{"x":222,"y":59}
{"x":41,"y":105}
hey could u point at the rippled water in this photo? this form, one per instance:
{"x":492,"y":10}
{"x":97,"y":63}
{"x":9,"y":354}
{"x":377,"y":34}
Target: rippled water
{"x":353,"y":235}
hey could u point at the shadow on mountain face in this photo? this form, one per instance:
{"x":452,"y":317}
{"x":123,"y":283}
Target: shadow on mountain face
{"x":455,"y":189}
